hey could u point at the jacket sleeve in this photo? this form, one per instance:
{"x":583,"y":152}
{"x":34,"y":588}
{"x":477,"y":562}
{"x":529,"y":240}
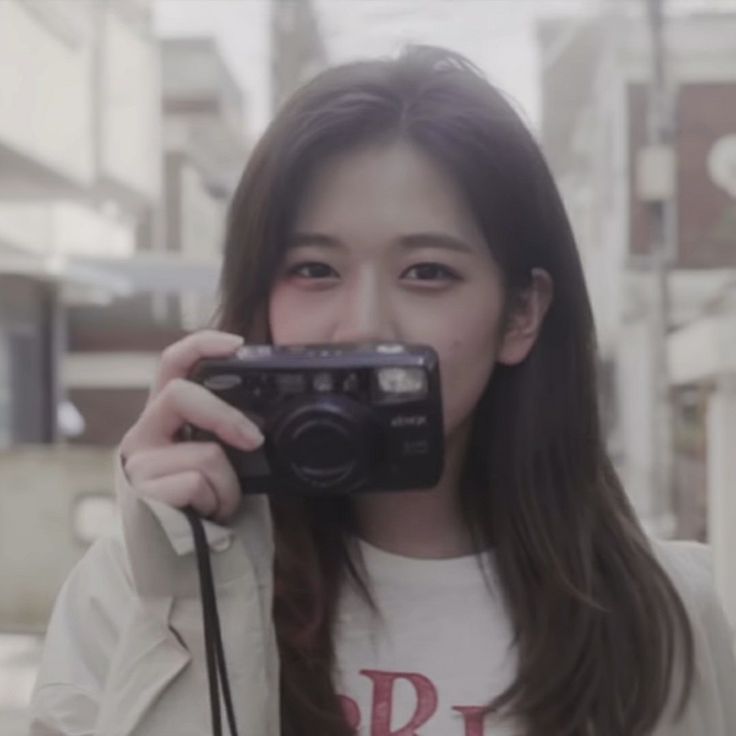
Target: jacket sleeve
{"x":716,"y":660}
{"x":712,"y":709}
{"x":90,"y":614}
{"x":124,"y":651}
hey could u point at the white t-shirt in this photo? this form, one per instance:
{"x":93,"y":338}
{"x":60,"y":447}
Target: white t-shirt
{"x":440,"y":651}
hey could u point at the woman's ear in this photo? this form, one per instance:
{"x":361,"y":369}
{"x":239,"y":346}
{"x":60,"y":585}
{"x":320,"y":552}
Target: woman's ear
{"x":525,"y":319}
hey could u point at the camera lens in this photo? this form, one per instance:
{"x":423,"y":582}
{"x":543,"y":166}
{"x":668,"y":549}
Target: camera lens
{"x":325,"y":444}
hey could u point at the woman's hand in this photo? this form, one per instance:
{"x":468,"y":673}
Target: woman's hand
{"x":196,"y":474}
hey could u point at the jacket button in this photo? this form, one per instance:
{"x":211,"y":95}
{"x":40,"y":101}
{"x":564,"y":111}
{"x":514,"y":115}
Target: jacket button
{"x":220,"y":545}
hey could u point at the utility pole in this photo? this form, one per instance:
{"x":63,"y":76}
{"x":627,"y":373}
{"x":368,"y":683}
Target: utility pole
{"x":657,"y":187}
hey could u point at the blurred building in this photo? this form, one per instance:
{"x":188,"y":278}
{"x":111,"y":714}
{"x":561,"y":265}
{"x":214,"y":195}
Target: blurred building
{"x":595,"y":75}
{"x":118,"y":155}
{"x":79,"y":136}
{"x":80,"y":130}
{"x":297,"y":47}
{"x":116,"y":347}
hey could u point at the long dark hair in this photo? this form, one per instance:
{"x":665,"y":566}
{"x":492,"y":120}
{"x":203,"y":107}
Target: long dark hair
{"x":601,"y":632}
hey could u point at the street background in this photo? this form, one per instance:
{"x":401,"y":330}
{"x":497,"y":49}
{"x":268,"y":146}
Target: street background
{"x":125,"y":124}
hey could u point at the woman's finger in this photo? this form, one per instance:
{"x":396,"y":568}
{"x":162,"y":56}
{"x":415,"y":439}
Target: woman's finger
{"x":207,"y":458}
{"x":184,"y":402}
{"x":178,"y":359}
{"x":188,"y":488}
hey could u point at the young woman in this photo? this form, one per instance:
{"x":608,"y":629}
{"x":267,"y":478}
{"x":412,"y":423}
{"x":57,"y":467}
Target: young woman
{"x":397,"y":200}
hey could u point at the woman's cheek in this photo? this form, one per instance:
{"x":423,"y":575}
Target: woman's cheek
{"x":281,"y":319}
{"x":465,"y":369}
{"x":294,"y":317}
{"x":460,"y":396}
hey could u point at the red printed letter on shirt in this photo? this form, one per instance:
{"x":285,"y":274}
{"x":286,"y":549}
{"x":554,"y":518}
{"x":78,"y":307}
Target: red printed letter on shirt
{"x":383,"y":702}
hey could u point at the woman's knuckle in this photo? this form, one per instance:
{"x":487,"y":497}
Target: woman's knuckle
{"x":129,"y":442}
{"x":131,"y":464}
{"x":231,"y":499}
{"x":179,"y":385}
{"x":203,"y":492}
{"x":173,"y":390}
{"x":169,"y":353}
{"x":189,"y":486}
{"x":203,"y":485}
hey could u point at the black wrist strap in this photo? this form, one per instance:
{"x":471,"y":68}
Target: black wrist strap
{"x":215,"y":653}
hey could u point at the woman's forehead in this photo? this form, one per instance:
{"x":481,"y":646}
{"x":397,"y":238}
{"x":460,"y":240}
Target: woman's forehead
{"x":392,"y":188}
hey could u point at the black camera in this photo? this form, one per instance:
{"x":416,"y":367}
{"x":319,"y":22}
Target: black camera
{"x":338,"y":419}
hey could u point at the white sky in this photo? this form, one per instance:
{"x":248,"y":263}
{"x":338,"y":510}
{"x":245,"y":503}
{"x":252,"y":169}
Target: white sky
{"x":497,"y":35}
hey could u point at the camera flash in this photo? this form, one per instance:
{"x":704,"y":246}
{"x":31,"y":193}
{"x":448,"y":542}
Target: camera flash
{"x":402,"y":380}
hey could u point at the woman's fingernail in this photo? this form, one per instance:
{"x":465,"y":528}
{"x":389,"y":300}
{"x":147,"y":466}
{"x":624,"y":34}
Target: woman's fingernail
{"x":252,"y":436}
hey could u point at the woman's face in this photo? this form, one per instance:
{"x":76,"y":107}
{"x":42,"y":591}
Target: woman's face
{"x":384,"y":248}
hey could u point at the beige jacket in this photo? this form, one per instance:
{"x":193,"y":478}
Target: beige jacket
{"x":124,"y":653}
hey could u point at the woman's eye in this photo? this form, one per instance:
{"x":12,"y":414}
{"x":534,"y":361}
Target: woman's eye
{"x":430,"y":272}
{"x":312,"y":270}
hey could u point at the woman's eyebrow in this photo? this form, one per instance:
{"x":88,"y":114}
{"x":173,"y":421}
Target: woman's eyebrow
{"x":409,"y":242}
{"x":436,"y":240}
{"x":305,"y":238}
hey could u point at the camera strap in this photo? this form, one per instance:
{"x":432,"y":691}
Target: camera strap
{"x":215,"y":653}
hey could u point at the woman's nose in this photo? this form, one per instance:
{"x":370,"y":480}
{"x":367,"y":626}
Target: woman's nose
{"x":364,"y":313}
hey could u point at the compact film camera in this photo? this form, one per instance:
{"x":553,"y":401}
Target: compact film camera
{"x":337,"y":419}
